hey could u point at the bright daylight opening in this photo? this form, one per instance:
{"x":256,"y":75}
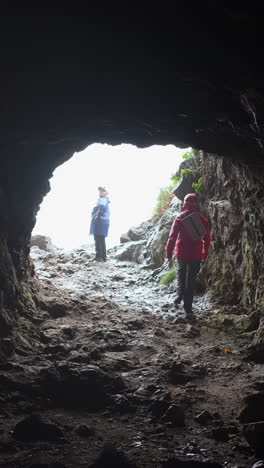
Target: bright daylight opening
{"x":133,"y":178}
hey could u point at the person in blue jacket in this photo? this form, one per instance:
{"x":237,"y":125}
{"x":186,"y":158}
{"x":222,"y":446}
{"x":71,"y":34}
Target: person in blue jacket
{"x":100,"y":224}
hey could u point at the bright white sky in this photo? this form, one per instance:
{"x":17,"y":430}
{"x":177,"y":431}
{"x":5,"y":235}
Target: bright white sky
{"x":132,"y":176}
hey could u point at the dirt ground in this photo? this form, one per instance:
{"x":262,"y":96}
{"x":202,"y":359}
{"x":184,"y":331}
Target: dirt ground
{"x":119,"y":378}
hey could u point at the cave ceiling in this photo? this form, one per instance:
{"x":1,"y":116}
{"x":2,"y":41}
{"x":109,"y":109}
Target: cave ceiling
{"x":129,"y":73}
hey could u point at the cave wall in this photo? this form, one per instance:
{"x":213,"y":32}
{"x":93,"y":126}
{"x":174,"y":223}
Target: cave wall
{"x":114,"y":74}
{"x":233,"y":198}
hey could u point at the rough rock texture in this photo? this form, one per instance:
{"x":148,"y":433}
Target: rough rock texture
{"x":42,"y":242}
{"x":158,"y":235}
{"x":123,"y":369}
{"x":232,"y":195}
{"x":131,"y":251}
{"x":143,"y":76}
{"x":185,"y":184}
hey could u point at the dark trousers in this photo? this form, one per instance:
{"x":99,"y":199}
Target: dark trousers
{"x":100,"y":247}
{"x":187,"y":271}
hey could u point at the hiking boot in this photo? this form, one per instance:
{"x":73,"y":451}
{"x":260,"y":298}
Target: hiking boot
{"x":190,"y":315}
{"x":178,"y":301}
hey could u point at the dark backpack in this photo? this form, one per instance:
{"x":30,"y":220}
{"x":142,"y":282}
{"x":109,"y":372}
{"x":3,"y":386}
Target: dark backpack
{"x":193,"y":225}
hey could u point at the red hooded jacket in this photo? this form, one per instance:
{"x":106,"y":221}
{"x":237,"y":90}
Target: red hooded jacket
{"x":184,"y":247}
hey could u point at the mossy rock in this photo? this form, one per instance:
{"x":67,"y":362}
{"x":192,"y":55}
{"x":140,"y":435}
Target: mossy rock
{"x":212,"y":331}
{"x":230,"y":323}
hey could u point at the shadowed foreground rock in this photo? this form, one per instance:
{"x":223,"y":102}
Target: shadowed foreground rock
{"x":36,"y":428}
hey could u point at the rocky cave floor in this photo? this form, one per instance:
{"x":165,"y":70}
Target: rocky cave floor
{"x":118,"y":378}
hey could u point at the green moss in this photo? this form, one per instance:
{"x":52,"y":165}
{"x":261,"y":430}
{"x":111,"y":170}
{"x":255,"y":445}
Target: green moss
{"x":28,"y":299}
{"x":249,"y":335}
{"x":198,"y":186}
{"x":168,"y":277}
{"x":187,"y":155}
{"x":163,"y":202}
{"x":210,"y":330}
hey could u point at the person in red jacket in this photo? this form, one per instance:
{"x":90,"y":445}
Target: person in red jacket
{"x":189,"y":252}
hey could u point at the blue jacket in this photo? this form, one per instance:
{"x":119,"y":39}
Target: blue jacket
{"x":100,"y":226}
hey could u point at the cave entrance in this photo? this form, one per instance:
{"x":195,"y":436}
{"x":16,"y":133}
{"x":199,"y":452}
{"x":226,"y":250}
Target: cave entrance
{"x":133,"y":177}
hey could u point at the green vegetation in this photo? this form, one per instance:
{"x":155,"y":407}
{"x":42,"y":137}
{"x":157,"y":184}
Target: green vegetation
{"x":163,"y":202}
{"x":175,"y":179}
{"x":187,"y":155}
{"x":198,"y":187}
{"x":186,"y":172}
{"x":166,"y":195}
{"x":168,"y":277}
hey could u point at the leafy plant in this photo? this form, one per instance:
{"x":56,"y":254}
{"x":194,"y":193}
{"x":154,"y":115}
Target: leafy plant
{"x":186,"y":172}
{"x":187,"y":155}
{"x":175,"y":179}
{"x":168,"y":277}
{"x":163,"y":201}
{"x":198,"y":186}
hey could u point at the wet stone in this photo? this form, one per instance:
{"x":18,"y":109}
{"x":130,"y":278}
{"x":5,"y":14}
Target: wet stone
{"x":183,"y":463}
{"x":112,"y":457}
{"x":259,"y":464}
{"x":75,"y":385}
{"x":69,"y":332}
{"x":122,"y":404}
{"x":178,"y":375}
{"x":253,"y":408}
{"x":161,"y":401}
{"x":57,"y":310}
{"x":85,"y":431}
{"x":175,"y":415}
{"x":254,"y":434}
{"x":204,"y":417}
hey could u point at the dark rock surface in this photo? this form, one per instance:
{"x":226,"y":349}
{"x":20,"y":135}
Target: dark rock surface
{"x":127,"y":76}
{"x":254,"y":434}
{"x":34,"y":428}
{"x":42,"y":242}
{"x":153,"y":96}
{"x":118,"y":379}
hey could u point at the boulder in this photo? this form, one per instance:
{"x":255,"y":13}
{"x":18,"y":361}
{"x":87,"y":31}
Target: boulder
{"x":175,"y":415}
{"x":74,"y":385}
{"x":256,"y":348}
{"x":185,"y":184}
{"x":158,"y":236}
{"x":35,"y":427}
{"x":253,"y":408}
{"x":136,"y":233}
{"x":254,"y":434}
{"x":204,"y":417}
{"x":85,"y":431}
{"x":131,"y":251}
{"x":112,"y":457}
{"x":42,"y":242}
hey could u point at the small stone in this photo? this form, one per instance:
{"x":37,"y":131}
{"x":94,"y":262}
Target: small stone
{"x":175,"y":415}
{"x":85,"y":431}
{"x":258,"y":464}
{"x":204,"y":417}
